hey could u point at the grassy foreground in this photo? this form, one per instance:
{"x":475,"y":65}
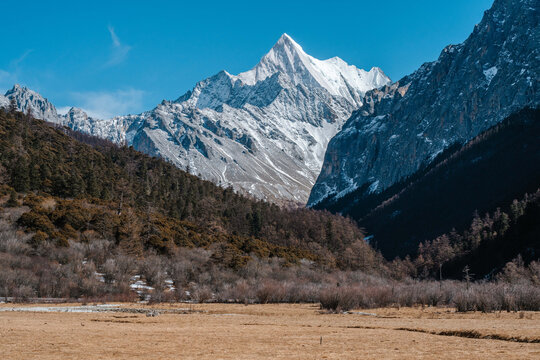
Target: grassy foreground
{"x":273,"y":331}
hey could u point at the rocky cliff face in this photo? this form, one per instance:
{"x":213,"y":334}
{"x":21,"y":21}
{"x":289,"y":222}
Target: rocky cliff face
{"x":471,"y":87}
{"x":29,"y":101}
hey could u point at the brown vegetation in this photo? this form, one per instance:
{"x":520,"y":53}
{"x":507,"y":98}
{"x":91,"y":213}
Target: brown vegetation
{"x":109,"y":223}
{"x":99,"y":269}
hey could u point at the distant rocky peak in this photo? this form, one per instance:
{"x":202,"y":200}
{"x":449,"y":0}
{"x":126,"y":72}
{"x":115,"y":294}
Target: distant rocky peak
{"x":30,"y":101}
{"x":76,"y":112}
{"x":18,"y":91}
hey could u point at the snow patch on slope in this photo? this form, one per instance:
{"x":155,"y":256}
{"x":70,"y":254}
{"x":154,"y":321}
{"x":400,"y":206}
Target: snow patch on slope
{"x":490,"y":73}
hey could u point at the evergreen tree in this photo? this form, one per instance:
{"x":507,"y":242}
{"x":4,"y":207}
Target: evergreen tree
{"x":20,"y":178}
{"x":12,"y":106}
{"x":12,"y":201}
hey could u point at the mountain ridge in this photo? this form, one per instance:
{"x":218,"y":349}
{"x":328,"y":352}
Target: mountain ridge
{"x":470,"y":87}
{"x":264,"y":131}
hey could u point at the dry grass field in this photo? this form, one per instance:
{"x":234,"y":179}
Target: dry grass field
{"x":222,"y":331}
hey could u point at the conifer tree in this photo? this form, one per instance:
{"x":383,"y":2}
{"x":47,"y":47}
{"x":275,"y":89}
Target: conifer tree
{"x":12,"y":105}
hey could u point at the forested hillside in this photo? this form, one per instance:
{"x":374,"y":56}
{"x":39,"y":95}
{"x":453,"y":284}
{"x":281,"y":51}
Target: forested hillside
{"x":78,"y":186}
{"x":500,"y":239}
{"x":83,"y":219}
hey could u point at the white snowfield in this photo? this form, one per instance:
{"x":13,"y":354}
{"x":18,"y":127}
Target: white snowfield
{"x":264,"y":132}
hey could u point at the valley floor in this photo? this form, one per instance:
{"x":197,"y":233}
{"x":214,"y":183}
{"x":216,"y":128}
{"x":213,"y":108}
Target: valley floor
{"x":283,"y":331}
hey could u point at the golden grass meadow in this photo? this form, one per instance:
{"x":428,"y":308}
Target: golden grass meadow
{"x":281,"y":331}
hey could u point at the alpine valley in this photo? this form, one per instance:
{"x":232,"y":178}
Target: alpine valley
{"x":333,"y":211}
{"x":264,"y":132}
{"x":409,"y":161}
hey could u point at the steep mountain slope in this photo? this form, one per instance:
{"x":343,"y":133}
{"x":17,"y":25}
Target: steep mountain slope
{"x":472,"y":86}
{"x":264,"y":131}
{"x":496,"y":167}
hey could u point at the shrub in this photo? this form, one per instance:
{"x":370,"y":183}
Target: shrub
{"x":110,"y":271}
{"x":374,"y":296}
{"x":153,"y":268}
{"x":338,"y":299}
{"x":35,"y":221}
{"x":39,"y":238}
{"x":11,"y":242}
{"x":202,"y":294}
{"x":527,"y":298}
{"x":270,"y":291}
{"x":23,"y":293}
{"x":464,"y":301}
{"x":241,"y":292}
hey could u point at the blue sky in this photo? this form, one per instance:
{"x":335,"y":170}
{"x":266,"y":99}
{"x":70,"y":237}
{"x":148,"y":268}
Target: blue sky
{"x":119,"y":57}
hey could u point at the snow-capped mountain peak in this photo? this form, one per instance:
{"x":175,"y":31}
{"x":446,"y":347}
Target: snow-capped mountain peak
{"x":286,"y":56}
{"x":76,"y":114}
{"x":334,"y":75}
{"x":264,"y":131}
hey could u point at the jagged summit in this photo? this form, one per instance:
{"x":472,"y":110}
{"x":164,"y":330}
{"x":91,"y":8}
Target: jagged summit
{"x":30,"y":101}
{"x":19,"y":89}
{"x":334,"y":75}
{"x":16,"y":87}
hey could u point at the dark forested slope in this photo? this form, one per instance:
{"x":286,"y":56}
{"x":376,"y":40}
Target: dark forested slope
{"x":490,"y":171}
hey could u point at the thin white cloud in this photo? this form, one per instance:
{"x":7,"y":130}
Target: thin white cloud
{"x":119,"y":50}
{"x":20,"y":59}
{"x":63,"y":110}
{"x":11,"y":75}
{"x":114,"y":37}
{"x":105,"y":105}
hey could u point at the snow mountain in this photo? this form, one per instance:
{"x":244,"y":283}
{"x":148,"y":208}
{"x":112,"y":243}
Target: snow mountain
{"x":264,"y":132}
